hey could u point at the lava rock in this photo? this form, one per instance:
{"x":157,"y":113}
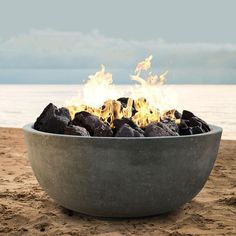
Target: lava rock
{"x":205,"y":126}
{"x":186,"y":115}
{"x":167,"y":128}
{"x":53,"y":120}
{"x":127,"y":131}
{"x":197,"y":130}
{"x":123,"y":101}
{"x":183,"y":124}
{"x":118,"y":123}
{"x":92,"y":124}
{"x":185,"y":131}
{"x":177,"y":114}
{"x":184,"y":128}
{"x":190,"y":127}
{"x":155,"y":129}
{"x":195,"y":121}
{"x":171,"y":124}
{"x":76,"y":130}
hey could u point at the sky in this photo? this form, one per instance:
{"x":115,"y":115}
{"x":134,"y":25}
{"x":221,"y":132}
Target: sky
{"x":194,"y":40}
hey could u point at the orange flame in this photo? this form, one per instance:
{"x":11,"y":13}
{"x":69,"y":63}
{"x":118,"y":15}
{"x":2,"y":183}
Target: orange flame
{"x":99,"y":88}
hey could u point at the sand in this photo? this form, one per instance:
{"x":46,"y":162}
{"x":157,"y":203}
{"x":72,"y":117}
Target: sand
{"x":25,"y":209}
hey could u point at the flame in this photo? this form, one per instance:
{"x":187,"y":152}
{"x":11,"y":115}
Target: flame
{"x":145,"y":113}
{"x":98,"y":97}
{"x":151,"y":79}
{"x":100,"y":78}
{"x":143,"y":65}
{"x":97,"y":89}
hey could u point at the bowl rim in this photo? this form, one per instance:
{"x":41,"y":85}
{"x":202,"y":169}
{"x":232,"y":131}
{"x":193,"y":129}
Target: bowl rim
{"x":28,"y":128}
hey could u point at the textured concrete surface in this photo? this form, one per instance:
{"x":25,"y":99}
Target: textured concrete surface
{"x":122,"y":177}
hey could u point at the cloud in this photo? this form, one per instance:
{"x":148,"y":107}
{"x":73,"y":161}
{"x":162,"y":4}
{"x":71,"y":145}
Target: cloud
{"x":56,"y":49}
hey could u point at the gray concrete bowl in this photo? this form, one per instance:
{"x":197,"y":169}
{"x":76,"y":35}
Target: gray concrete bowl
{"x":122,"y":177}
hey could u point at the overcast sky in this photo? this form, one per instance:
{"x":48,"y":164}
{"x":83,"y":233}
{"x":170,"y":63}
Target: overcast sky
{"x":84,"y":34}
{"x":174,"y":21}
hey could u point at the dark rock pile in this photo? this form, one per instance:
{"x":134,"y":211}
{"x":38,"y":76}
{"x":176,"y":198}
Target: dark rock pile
{"x":191,"y":124}
{"x":53,"y":120}
{"x":58,"y":120}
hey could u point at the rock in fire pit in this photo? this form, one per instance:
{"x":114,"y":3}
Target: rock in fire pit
{"x":122,"y":118}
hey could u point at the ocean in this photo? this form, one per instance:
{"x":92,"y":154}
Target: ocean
{"x":216,"y":104}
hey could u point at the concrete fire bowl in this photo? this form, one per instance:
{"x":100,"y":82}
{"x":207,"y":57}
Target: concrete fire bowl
{"x":122,"y":177}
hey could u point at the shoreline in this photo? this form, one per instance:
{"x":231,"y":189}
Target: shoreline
{"x":26,"y":209}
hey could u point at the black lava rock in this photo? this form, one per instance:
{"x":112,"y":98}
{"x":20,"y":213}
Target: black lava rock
{"x":186,"y":115}
{"x":92,"y":124}
{"x":197,"y":130}
{"x":76,"y":130}
{"x":155,"y":129}
{"x":183,"y":124}
{"x":118,"y":123}
{"x":177,"y":114}
{"x":127,"y":131}
{"x":193,"y":121}
{"x":184,"y":127}
{"x":53,"y":120}
{"x":196,"y":124}
{"x":123,"y":101}
{"x":205,"y":126}
{"x":185,"y":131}
{"x":171,"y":125}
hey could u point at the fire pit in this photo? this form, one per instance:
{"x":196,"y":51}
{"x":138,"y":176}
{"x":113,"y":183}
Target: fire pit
{"x":125,"y":157}
{"x":122,"y":177}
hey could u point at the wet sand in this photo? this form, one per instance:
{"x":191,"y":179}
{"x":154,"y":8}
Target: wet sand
{"x":25,"y":209}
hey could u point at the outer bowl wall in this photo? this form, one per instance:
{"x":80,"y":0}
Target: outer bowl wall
{"x":122,"y":177}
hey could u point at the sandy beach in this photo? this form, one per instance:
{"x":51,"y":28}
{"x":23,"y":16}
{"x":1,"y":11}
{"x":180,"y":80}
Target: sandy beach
{"x":25,"y":209}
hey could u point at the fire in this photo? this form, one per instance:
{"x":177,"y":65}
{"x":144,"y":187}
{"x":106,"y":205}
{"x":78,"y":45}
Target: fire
{"x":145,"y":113}
{"x":143,"y":65}
{"x":99,"y":95}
